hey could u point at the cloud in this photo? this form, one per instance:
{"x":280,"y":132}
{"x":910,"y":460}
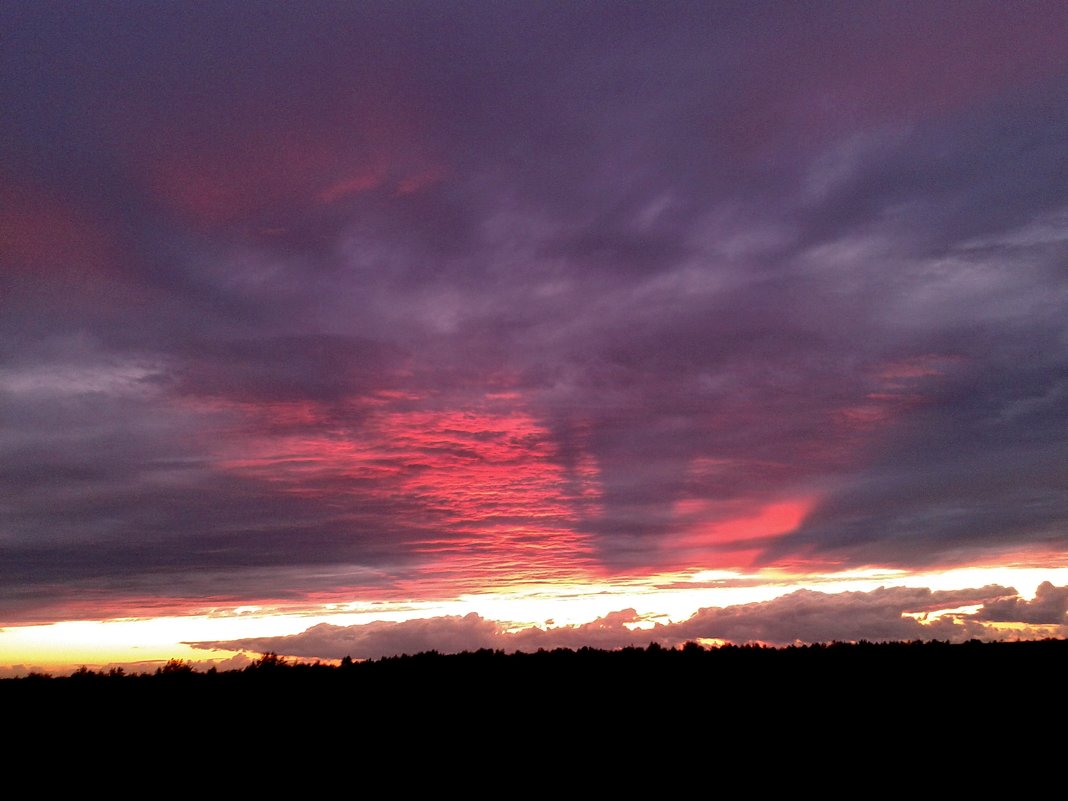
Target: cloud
{"x":704,"y":261}
{"x":448,"y":634}
{"x":885,"y":614}
{"x":1049,"y":606}
{"x":809,"y":616}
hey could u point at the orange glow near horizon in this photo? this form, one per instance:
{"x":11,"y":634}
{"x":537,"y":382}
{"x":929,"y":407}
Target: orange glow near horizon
{"x":143,"y":643}
{"x":492,"y":514}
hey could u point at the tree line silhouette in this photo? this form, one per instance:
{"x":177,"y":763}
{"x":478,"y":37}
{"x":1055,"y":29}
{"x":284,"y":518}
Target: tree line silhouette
{"x":737,"y":697}
{"x":744,"y":663}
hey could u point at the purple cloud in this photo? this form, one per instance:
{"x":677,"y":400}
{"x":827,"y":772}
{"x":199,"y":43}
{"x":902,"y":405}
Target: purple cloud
{"x":1049,"y":606}
{"x":885,"y":614}
{"x":683,"y":264}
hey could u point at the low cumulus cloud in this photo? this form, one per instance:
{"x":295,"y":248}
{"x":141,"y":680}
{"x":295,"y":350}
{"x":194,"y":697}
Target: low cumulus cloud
{"x":448,"y":634}
{"x":1049,"y":606}
{"x":884,"y":614}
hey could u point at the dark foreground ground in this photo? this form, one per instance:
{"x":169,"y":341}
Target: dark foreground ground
{"x":894,"y":703}
{"x":837,"y":675}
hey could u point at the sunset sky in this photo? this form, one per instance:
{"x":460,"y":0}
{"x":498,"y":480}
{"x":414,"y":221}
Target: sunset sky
{"x":361,"y":328}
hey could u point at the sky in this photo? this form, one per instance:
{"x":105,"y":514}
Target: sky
{"x":360,"y":328}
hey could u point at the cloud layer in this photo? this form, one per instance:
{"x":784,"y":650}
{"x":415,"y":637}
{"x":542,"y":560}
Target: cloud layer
{"x":407,"y":300}
{"x":885,"y":614}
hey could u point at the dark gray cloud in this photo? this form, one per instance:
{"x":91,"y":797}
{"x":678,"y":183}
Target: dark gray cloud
{"x":1049,"y":606}
{"x":809,"y":616}
{"x":257,"y":266}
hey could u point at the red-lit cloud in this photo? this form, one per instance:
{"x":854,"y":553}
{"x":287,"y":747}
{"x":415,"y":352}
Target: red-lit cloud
{"x":49,"y":245}
{"x":482,"y":492}
{"x":368,"y":303}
